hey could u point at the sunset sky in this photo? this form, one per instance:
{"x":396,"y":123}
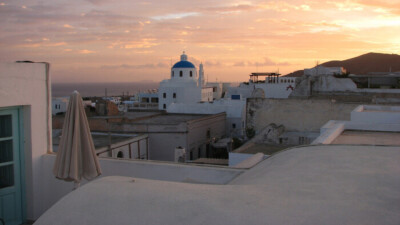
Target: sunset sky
{"x":132,"y":40}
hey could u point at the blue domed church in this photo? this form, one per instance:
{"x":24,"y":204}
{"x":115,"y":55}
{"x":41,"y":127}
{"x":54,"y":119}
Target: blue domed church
{"x":184,"y":86}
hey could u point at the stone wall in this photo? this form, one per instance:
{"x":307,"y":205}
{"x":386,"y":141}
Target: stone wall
{"x":296,"y":114}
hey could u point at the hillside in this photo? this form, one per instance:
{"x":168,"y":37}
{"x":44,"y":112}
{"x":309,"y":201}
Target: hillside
{"x":363,"y":64}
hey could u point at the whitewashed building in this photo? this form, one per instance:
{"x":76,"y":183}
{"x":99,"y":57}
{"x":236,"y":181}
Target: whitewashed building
{"x":59,"y":105}
{"x":219,"y":89}
{"x":184,"y":86}
{"x":322,"y":70}
{"x":272,"y":87}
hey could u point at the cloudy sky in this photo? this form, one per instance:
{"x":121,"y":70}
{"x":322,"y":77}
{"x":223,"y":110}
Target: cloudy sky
{"x":133,"y":40}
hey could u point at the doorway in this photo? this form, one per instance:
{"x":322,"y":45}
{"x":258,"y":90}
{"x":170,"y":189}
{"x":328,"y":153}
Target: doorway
{"x":11,"y":168}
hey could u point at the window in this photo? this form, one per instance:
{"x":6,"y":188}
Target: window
{"x":180,"y":73}
{"x":214,"y":89}
{"x":164,"y":106}
{"x":233,"y":125}
{"x":208,"y":134}
{"x":191,"y":73}
{"x":164,"y":95}
{"x":174,"y":95}
{"x":172,"y":74}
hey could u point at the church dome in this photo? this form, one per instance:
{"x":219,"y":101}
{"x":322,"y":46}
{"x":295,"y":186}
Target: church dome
{"x":183,"y":63}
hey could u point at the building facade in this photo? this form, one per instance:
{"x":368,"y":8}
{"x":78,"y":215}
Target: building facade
{"x":25,"y":135}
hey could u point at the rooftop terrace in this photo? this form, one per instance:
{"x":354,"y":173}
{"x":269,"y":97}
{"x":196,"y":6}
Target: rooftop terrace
{"x":306,"y":185}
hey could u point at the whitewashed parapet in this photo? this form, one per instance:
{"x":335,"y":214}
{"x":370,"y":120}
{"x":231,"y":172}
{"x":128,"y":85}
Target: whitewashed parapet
{"x":330,"y":134}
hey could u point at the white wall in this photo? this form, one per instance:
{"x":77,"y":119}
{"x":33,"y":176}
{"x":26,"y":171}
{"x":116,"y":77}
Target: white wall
{"x":376,"y":114}
{"x":162,"y":145}
{"x":186,"y":92}
{"x":245,"y":90}
{"x":277,"y":88}
{"x":329,"y":135}
{"x":175,"y":74}
{"x":28,"y":85}
{"x":207,"y":94}
{"x":59,"y":105}
{"x":218,"y":89}
{"x":363,"y":118}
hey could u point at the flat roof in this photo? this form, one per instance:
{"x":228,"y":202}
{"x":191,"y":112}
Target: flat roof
{"x":387,"y":75}
{"x":325,"y":184}
{"x":100,"y":139}
{"x":266,"y":149}
{"x":171,"y":118}
{"x":368,"y":138}
{"x":140,"y":114}
{"x":156,"y":117}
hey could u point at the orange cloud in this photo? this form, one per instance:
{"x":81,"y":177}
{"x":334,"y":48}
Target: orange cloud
{"x":144,"y":43}
{"x":68,"y":26}
{"x":85,"y":51}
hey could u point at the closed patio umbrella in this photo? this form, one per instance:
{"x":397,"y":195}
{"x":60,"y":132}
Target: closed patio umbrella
{"x":76,"y":156}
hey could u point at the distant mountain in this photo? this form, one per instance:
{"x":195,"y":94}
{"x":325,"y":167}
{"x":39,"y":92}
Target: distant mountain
{"x":363,"y":64}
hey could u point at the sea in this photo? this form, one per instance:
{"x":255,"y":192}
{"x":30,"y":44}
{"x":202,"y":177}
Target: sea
{"x":101,"y":89}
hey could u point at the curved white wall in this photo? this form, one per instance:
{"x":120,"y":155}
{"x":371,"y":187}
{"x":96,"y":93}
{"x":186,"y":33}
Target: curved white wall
{"x":176,"y":74}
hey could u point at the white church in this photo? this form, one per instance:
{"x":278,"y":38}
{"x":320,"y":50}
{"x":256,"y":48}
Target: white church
{"x":185,"y":85}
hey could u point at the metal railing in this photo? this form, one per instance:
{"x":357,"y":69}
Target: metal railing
{"x":142,"y":106}
{"x":111,"y":149}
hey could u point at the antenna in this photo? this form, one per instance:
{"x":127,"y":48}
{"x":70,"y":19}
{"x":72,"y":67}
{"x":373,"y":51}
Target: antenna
{"x":316,"y":67}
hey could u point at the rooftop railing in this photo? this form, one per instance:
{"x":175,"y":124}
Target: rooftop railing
{"x":131,"y":152}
